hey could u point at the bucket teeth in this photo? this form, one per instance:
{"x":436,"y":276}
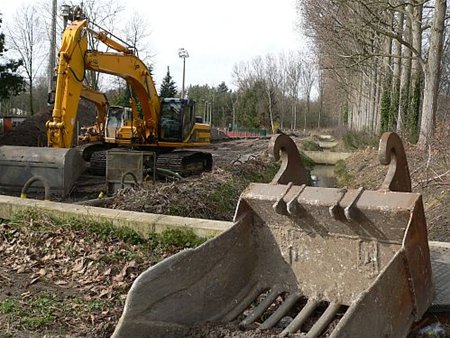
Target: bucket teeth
{"x":293,"y":207}
{"x":350,"y":210}
{"x":261,"y":308}
{"x":301,"y":318}
{"x":324,"y":320}
{"x":280,"y":206}
{"x":280,"y":312}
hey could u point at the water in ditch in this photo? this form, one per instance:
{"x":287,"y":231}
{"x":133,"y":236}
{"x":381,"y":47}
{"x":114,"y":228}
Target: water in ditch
{"x":323,"y":176}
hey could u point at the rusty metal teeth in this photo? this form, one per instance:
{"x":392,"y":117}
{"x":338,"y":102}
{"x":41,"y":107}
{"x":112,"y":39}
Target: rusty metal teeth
{"x":350,"y":210}
{"x":280,"y":312}
{"x":324,"y":320}
{"x":280,"y":205}
{"x":261,"y":308}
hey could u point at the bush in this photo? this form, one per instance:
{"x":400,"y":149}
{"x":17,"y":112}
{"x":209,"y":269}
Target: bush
{"x":357,"y":139}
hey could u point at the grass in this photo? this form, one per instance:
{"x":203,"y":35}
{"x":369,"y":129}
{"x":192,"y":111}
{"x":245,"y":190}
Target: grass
{"x":33,"y":313}
{"x":225,"y":197}
{"x":9,"y":305}
{"x":168,"y":239}
{"x":357,"y":139}
{"x":343,"y":176}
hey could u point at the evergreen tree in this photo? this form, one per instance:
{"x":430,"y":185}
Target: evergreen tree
{"x":10,"y":82}
{"x":168,"y":86}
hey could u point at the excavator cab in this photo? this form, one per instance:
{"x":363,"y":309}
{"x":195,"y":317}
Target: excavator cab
{"x":177,"y":119}
{"x":119,"y":119}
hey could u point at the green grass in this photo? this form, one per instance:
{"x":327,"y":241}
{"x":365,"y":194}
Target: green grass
{"x":9,"y":305}
{"x":171,"y":239}
{"x":225,"y":197}
{"x":343,"y":177}
{"x":33,"y":313}
{"x":310,"y":145}
{"x":357,"y":139}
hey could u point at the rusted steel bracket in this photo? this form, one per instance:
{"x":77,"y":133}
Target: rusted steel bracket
{"x":292,"y":168}
{"x":392,"y":153}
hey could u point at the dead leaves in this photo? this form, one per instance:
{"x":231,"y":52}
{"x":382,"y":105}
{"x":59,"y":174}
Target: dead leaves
{"x":98,"y":271}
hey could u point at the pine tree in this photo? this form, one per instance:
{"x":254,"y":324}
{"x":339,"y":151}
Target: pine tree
{"x":10,"y":82}
{"x":168,"y":86}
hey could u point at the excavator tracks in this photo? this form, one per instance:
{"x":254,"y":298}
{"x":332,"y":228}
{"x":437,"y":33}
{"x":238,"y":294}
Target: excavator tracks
{"x":185,"y":163}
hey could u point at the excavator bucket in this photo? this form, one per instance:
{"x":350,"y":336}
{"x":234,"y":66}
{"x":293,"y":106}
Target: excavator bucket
{"x":337,"y":262}
{"x":56,"y":168}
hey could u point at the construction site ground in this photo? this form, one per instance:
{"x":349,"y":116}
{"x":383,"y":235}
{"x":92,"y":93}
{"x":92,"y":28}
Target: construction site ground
{"x":71,"y":279}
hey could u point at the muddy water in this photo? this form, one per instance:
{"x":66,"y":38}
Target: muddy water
{"x":323,"y":176}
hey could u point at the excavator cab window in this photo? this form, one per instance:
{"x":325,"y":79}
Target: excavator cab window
{"x":171,"y":114}
{"x":114,"y":121}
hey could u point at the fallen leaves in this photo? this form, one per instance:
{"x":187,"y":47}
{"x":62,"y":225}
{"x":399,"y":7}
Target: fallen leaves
{"x":91,"y":275}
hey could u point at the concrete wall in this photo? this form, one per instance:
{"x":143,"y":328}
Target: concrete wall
{"x":326,"y":157}
{"x":142,"y":223}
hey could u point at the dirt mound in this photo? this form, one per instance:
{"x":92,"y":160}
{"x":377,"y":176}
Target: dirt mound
{"x":32,"y":131}
{"x":430,"y":176}
{"x":213,"y":195}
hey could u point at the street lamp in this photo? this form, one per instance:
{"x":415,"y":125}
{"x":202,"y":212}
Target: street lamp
{"x":183,"y":53}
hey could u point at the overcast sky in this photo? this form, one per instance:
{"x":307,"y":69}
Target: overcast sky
{"x":217,"y":34}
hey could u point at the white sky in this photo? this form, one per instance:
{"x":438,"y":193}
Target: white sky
{"x":217,"y":34}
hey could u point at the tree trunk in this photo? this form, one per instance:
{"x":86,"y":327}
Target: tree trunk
{"x":386,"y":83}
{"x":416,"y":75}
{"x":432,"y":74}
{"x":406,"y":75}
{"x":393,"y":111}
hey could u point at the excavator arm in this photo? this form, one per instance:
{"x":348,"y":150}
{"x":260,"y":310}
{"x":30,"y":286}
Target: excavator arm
{"x":74,"y":60}
{"x":101,"y":103}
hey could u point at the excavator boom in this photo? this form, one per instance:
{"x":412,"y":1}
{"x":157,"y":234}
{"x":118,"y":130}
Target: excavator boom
{"x":74,"y":60}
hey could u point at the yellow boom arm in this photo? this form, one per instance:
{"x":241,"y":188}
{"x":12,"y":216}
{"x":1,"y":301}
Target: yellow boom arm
{"x":74,"y":60}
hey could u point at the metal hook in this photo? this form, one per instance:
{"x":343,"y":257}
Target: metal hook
{"x":392,"y":153}
{"x":292,"y":168}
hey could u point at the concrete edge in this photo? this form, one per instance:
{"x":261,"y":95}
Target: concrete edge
{"x":142,"y":223}
{"x":439,"y":244}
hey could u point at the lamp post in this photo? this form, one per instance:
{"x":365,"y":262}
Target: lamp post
{"x":183,"y":53}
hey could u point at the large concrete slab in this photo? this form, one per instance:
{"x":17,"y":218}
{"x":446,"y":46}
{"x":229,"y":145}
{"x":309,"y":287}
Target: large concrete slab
{"x":326,"y":157}
{"x":142,"y":223}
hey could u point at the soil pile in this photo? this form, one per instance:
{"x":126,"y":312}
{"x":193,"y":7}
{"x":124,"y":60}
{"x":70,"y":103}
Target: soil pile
{"x":213,"y":195}
{"x":430,"y":176}
{"x":32,"y":132}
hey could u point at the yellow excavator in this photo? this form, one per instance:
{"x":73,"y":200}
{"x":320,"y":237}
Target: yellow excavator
{"x":158,"y":125}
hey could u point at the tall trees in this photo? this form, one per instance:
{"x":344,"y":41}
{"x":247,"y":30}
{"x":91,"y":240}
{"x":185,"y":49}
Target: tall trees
{"x":168,"y":86}
{"x":378,"y":45}
{"x":11,"y":83}
{"x":27,"y":40}
{"x":432,"y":73}
{"x":307,"y":79}
{"x":278,"y":81}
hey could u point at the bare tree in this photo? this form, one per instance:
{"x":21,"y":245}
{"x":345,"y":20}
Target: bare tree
{"x":294,"y":70}
{"x":353,"y":33}
{"x":432,"y":74}
{"x":307,"y":79}
{"x":137,"y":34}
{"x":103,"y":13}
{"x":27,"y":39}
